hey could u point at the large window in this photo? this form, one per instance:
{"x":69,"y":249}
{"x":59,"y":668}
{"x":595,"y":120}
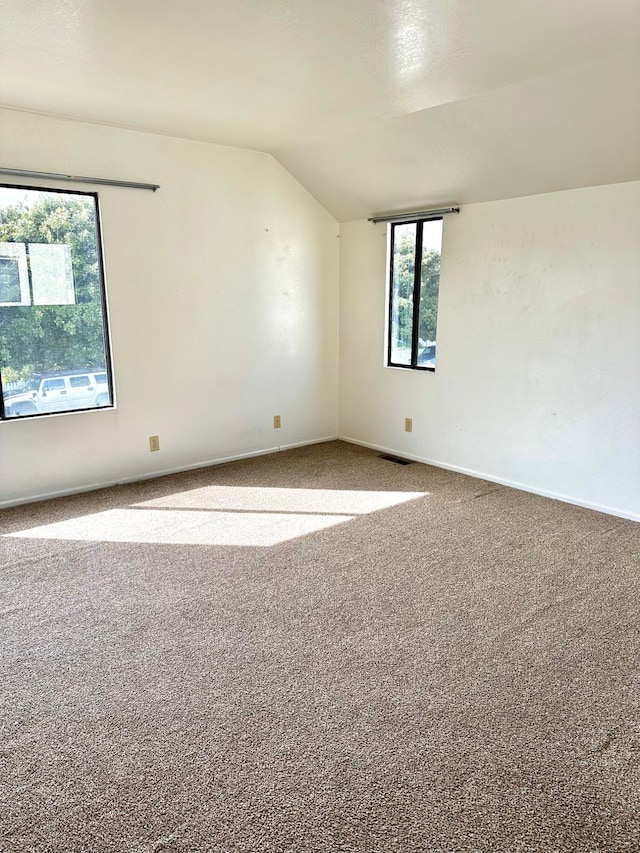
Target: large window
{"x":54,"y":350}
{"x":413,"y":293}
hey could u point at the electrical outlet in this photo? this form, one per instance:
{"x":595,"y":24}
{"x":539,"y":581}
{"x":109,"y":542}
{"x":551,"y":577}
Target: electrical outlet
{"x":154,"y":443}
{"x":408,"y":424}
{"x":277,"y":423}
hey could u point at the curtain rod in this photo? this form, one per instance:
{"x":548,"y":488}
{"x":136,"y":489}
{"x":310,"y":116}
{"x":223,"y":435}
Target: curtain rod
{"x":415,"y":214}
{"x":78,"y":179}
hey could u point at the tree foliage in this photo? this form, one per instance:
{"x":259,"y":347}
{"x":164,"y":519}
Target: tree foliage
{"x":54,"y":337}
{"x":403,"y":284}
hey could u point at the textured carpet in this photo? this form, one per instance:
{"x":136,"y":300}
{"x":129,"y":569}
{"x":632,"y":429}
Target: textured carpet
{"x":318,"y":651}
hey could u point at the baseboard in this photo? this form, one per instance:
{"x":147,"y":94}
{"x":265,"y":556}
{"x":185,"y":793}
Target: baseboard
{"x":138,"y":478}
{"x":481,"y":475}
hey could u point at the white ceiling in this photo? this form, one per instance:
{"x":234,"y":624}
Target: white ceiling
{"x":372,"y":104}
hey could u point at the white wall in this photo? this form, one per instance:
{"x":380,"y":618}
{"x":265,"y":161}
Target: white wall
{"x":538,"y":367}
{"x":223,"y":303}
{"x":222,"y":292}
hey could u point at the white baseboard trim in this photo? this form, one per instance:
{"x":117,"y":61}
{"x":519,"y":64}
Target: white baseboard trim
{"x":480,"y":475}
{"x":165,"y":472}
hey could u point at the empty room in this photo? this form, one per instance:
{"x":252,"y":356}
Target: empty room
{"x":319,"y":426}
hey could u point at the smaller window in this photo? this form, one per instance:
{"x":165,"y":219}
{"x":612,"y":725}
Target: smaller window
{"x":53,"y":385}
{"x":14,"y":276}
{"x":9,"y":281}
{"x":79,"y":381}
{"x":414,"y":278}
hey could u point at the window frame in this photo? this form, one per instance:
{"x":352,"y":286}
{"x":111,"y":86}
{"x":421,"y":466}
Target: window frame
{"x":104,"y":312}
{"x":417,"y":275}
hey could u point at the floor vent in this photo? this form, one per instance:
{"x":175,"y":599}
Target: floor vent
{"x":395,"y":459}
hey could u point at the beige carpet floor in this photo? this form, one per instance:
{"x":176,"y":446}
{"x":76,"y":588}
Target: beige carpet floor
{"x":318,"y":650}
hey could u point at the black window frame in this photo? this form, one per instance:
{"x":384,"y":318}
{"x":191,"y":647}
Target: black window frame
{"x":108,"y":367}
{"x":415,"y":326}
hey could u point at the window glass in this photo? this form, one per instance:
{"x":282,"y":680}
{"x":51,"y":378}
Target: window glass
{"x":77,"y":381}
{"x":429,"y":290}
{"x":402,"y":286}
{"x":414,"y":291}
{"x":14,"y":275}
{"x":52,"y":303}
{"x":9,"y":281}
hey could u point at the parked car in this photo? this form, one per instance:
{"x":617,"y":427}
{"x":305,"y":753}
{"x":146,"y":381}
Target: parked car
{"x":60,"y":392}
{"x":427,"y":356}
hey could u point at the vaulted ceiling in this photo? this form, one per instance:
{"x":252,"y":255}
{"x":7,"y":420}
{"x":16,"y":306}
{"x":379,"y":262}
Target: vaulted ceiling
{"x":373,"y":105}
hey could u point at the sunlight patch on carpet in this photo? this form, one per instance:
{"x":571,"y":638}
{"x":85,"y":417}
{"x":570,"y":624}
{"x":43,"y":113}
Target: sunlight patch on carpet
{"x":223,"y":515}
{"x":344,"y":502}
{"x":169,"y":527}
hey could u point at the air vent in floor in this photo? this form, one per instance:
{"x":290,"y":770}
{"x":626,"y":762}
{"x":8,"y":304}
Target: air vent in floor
{"x":395,"y":459}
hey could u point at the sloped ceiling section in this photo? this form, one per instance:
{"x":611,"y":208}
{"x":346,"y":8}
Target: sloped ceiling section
{"x":572,"y":129}
{"x":372,"y":104}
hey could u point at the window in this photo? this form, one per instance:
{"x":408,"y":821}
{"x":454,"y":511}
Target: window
{"x":14,"y":278}
{"x":414,"y":280}
{"x":54,"y":351}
